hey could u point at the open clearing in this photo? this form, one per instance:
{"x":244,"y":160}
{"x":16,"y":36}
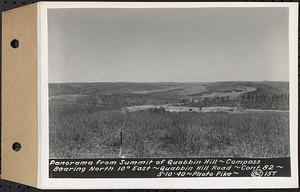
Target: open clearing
{"x":221,"y":119}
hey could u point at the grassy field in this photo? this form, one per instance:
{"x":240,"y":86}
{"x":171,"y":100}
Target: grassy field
{"x":86,"y":120}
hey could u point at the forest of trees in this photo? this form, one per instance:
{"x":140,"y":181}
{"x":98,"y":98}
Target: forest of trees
{"x":253,"y":100}
{"x":93,"y":126}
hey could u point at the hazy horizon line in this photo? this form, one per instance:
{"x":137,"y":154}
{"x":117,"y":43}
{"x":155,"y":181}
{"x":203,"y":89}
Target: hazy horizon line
{"x":74,"y":82}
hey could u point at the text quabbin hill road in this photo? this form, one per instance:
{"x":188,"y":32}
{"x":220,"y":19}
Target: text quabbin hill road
{"x":169,"y":167}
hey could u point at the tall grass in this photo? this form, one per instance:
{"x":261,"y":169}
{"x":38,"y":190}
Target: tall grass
{"x":85,"y":132}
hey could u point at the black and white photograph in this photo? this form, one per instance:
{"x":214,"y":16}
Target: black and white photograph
{"x":136,"y":83}
{"x":168,"y":95}
{"x":150,"y":95}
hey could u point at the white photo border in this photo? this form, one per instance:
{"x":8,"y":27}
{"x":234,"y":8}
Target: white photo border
{"x":162,"y":183}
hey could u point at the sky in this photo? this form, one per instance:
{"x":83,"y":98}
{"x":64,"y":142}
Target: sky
{"x":168,"y":45}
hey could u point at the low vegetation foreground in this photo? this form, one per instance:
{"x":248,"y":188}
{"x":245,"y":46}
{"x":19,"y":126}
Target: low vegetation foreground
{"x":223,"y":119}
